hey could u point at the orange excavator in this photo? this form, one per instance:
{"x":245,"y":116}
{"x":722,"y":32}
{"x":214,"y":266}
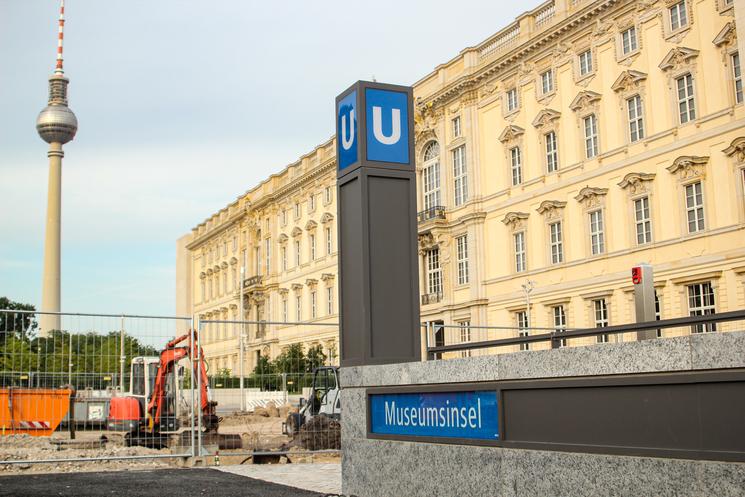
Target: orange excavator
{"x":150,"y":413}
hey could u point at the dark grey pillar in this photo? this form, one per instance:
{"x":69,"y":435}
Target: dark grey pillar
{"x":376,"y":187}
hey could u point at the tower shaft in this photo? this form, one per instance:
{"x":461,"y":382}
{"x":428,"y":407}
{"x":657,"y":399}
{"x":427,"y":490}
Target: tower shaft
{"x":50,"y":298}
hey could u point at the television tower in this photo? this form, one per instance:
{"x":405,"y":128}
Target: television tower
{"x":56,"y":125}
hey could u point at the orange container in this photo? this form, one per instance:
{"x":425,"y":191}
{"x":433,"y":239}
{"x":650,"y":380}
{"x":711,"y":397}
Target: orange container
{"x":35,"y":411}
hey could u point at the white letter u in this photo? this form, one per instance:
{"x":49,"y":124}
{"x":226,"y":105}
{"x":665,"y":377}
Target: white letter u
{"x":346,"y":142}
{"x":395,"y":126}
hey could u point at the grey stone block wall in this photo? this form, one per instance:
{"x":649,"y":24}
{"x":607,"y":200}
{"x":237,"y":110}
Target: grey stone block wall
{"x":379,"y":468}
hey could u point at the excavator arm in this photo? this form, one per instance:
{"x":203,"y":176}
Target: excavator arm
{"x":169,"y":357}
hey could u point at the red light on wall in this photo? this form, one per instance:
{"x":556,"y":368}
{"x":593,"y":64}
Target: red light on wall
{"x":636,"y":275}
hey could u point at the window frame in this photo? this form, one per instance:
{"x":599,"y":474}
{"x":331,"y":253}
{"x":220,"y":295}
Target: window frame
{"x":434,"y":271}
{"x":601,"y":317}
{"x":591,"y":141}
{"x":633,"y":45}
{"x":516,"y":169}
{"x":585,"y":63}
{"x":519,"y":249}
{"x":736,"y":65}
{"x":513,"y":100}
{"x":689,"y":100}
{"x":645,"y":223}
{"x":698,"y":208}
{"x":547,"y":76}
{"x":596,"y":230}
{"x":461,"y":243}
{"x":460,"y":175}
{"x":556,"y":257}
{"x":635,"y":122}
{"x":552,"y":152}
{"x":703,"y":308}
{"x":455,"y":127}
{"x":523,"y":327}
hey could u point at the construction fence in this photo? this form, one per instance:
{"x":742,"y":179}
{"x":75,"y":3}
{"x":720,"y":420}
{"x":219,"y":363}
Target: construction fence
{"x":129,"y":390}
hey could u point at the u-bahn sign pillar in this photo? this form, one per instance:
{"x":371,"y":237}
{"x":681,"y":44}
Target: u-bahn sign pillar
{"x":376,"y":202}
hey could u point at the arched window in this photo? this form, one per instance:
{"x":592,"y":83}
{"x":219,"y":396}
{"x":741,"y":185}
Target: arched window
{"x":431,"y":176}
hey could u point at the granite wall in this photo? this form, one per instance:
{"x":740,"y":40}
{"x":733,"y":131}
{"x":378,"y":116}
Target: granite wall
{"x":378,"y":468}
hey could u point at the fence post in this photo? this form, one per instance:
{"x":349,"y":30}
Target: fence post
{"x":191,"y":388}
{"x":199,"y":386}
{"x":122,"y":358}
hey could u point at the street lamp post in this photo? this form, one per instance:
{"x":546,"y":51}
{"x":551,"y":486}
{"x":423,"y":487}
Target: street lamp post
{"x":527,"y":288}
{"x":241,"y":338}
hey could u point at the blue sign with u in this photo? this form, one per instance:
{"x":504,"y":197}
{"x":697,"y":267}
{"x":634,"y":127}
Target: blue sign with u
{"x":387,"y":125}
{"x":347,"y":130}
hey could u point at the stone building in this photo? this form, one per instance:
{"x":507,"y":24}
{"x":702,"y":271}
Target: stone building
{"x":580,"y":140}
{"x":585,"y":137}
{"x":283,"y":232}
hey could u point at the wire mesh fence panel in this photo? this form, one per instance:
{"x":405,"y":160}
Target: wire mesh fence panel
{"x":276,"y":384}
{"x":77,"y":387}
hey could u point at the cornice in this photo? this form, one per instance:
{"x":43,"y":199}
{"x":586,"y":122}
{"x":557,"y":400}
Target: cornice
{"x":506,"y":61}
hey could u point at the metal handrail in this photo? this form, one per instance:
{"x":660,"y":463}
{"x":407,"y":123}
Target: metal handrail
{"x":436,"y":211}
{"x":588,"y":332}
{"x":88,"y":314}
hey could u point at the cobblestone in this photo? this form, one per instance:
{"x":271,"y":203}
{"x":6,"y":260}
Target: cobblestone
{"x":324,"y":478}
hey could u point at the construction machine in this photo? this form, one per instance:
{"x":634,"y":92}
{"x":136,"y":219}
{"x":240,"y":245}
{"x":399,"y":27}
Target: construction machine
{"x":324,"y":400}
{"x":151,"y":415}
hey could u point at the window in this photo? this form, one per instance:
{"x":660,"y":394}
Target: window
{"x":521,"y":317}
{"x":283,"y":252}
{"x":601,"y":317}
{"x":284,"y":309}
{"x":312,"y":240}
{"x":552,"y":152}
{"x":311,"y":203}
{"x":462,"y":252}
{"x":516,"y":166}
{"x":701,"y":303}
{"x":298,"y":308}
{"x":591,"y":136}
{"x":642,"y":220}
{"x":224,"y":283}
{"x":585,"y":62}
{"x":235,"y":243}
{"x":257,"y":259}
{"x":520,"y":255}
{"x":678,"y":16}
{"x":695,"y":207}
{"x":636,"y":120}
{"x":737,"y":76}
{"x":512,"y":102}
{"x":434,"y":272}
{"x":224,"y":248}
{"x":431,"y":176}
{"x":459,"y":175}
{"x":327,"y":195}
{"x":328,"y":241}
{"x":297,"y":252}
{"x":456,"y":127}
{"x":313,"y":304}
{"x":556,"y":243}
{"x":628,"y":41}
{"x":686,"y":103}
{"x":560,"y":322}
{"x":234,"y":279}
{"x":297,"y":210}
{"x":284,"y":217}
{"x":203,"y":291}
{"x":465,"y":336}
{"x":547,"y":82}
{"x":597,"y":234}
{"x":657,"y":312}
{"x":268,"y":251}
{"x":330,"y":300}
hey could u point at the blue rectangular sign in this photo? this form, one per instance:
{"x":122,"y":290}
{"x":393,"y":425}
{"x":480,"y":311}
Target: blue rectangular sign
{"x":387,"y":125}
{"x":467,"y":415}
{"x":347,"y":130}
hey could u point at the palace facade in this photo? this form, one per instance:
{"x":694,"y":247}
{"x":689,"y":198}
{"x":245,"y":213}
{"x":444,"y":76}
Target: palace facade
{"x":582,"y":139}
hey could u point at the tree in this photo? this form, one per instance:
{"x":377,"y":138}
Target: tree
{"x":292,"y":360}
{"x":13,"y":322}
{"x":315,"y":357}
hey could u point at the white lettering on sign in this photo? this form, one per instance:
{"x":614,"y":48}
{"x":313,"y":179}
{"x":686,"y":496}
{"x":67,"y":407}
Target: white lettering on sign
{"x":395,"y":135}
{"x":347,"y":141}
{"x":437,"y":417}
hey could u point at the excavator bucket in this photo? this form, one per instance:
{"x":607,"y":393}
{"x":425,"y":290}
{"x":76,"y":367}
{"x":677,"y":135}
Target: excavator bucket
{"x":34,"y":411}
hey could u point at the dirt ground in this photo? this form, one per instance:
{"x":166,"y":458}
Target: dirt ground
{"x":258,"y":432}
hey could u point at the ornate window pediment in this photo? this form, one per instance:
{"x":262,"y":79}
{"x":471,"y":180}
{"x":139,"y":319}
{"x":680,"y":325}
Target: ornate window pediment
{"x":327,"y":217}
{"x":426,"y":241}
{"x":591,"y":196}
{"x":310,"y":225}
{"x":233,"y":261}
{"x":283,"y":238}
{"x":297,"y":286}
{"x":515,"y":220}
{"x":511,"y":133}
{"x":326,"y":277}
{"x":689,"y":167}
{"x":311,"y":282}
{"x":628,"y":81}
{"x":296,"y":231}
{"x":585,"y":100}
{"x":209,"y":272}
{"x":678,"y":58}
{"x":727,"y":36}
{"x":202,"y":275}
{"x":283,"y":291}
{"x":546,"y":118}
{"x":551,"y":209}
{"x":636,"y":183}
{"x":736,"y":149}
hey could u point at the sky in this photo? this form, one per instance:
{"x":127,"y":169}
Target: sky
{"x":182,"y":106}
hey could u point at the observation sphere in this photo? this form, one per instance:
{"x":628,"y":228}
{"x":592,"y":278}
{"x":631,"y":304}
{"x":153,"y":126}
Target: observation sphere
{"x":56,"y":124}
